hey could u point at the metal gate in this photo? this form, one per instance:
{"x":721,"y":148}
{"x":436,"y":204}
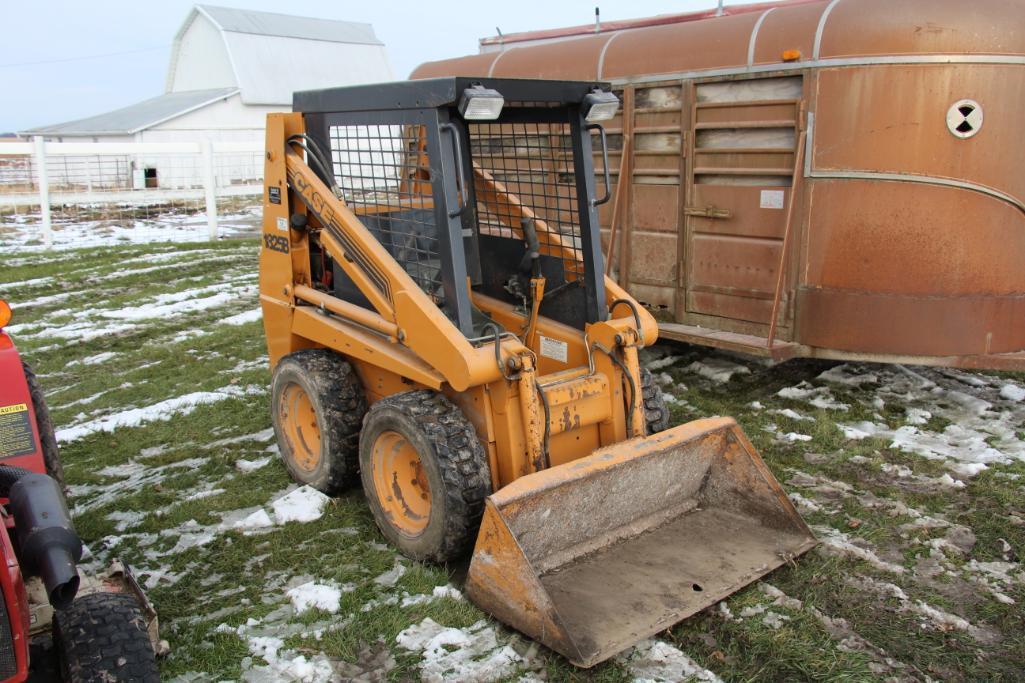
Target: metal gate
{"x":742,"y":144}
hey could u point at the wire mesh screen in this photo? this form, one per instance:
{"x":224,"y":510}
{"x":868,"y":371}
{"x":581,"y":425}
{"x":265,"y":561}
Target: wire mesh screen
{"x":534,"y":163}
{"x":384,"y":175}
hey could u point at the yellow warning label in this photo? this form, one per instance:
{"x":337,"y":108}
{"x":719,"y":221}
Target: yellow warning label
{"x":16,"y":437}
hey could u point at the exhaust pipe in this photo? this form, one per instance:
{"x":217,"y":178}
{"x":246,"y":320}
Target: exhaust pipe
{"x":47,"y":543}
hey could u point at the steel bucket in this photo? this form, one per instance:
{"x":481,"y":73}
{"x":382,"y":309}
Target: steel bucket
{"x":595,"y":555}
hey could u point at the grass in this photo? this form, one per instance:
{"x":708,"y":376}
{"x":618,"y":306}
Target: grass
{"x":158,"y":495}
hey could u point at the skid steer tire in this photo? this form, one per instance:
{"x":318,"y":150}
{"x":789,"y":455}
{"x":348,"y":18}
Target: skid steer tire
{"x":317,"y":408}
{"x":102,"y":638}
{"x":47,"y":438}
{"x":425,"y":475}
{"x":656,"y":414}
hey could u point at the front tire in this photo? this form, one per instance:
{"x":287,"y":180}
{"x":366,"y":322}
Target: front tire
{"x":102,"y":638}
{"x":47,"y":438}
{"x":425,"y":475}
{"x":317,"y":407}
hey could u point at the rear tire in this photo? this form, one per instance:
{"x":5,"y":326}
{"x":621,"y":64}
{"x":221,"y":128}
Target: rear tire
{"x":47,"y":438}
{"x":102,"y":638}
{"x":656,"y":414}
{"x":317,"y":407}
{"x":425,"y":475}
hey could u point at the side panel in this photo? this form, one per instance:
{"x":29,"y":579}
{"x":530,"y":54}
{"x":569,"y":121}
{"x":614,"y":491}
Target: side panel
{"x":651,"y":136}
{"x":280,"y":266}
{"x":893,"y":119}
{"x":19,"y":435}
{"x":916,"y":235}
{"x":745,"y":136}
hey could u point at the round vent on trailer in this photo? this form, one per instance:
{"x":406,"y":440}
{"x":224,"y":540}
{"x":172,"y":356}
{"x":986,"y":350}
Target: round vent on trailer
{"x":964,"y":118}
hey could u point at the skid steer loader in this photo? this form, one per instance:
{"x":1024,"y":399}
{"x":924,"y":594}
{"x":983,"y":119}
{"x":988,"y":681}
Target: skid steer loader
{"x":440,"y":329}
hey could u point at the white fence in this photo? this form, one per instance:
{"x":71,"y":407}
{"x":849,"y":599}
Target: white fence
{"x":67,"y":194}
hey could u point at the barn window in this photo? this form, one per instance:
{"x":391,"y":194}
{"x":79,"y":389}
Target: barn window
{"x":151,"y":177}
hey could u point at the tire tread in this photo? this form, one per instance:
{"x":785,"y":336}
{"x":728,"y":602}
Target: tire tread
{"x":102,"y":637}
{"x":462,"y":460}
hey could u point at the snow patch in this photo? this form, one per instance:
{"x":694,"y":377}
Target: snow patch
{"x":391,"y":577}
{"x":247,"y":466}
{"x":285,"y":665}
{"x":816,"y":396}
{"x":653,"y":661}
{"x":319,"y":595}
{"x":93,"y":360}
{"x":243,"y":318}
{"x":849,"y":375}
{"x":717,"y":369}
{"x":304,"y":504}
{"x":256,"y":520}
{"x":838,"y":543}
{"x":162,"y":411}
{"x":1012,"y":392}
{"x":471,"y":655}
{"x":124,"y":520}
{"x":660,"y":363}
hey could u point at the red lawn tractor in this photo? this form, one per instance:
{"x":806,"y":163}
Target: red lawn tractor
{"x":102,"y":627}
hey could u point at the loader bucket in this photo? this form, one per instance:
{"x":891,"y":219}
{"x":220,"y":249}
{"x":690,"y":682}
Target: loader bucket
{"x":597,"y":554}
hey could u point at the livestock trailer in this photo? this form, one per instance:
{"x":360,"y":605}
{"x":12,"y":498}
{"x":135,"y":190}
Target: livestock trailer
{"x":820,"y":178}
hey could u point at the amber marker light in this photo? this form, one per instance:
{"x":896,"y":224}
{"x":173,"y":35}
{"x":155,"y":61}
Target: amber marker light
{"x":791,"y":55}
{"x":5,"y":313}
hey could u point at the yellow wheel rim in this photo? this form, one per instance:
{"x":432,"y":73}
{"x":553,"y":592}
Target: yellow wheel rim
{"x":299,"y":422}
{"x":400,"y":483}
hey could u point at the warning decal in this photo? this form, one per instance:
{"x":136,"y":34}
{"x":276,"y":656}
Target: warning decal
{"x":16,"y":436}
{"x":554,"y":349}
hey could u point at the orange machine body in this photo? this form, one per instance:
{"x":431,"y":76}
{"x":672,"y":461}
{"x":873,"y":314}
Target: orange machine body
{"x":388,"y":272}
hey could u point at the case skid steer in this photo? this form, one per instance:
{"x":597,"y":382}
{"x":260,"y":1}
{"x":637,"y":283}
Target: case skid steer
{"x":440,"y":329}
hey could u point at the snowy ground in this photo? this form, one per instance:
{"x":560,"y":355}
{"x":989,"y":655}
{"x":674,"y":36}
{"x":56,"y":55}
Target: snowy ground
{"x":110,"y":225}
{"x":153,"y":361}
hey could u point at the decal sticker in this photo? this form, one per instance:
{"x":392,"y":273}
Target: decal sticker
{"x":282,"y":224}
{"x":276,"y":243}
{"x":274,"y":195}
{"x":554,"y":349}
{"x":16,"y":437}
{"x":772,"y":199}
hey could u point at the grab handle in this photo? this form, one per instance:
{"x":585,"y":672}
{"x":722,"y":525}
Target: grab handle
{"x":605,"y":164}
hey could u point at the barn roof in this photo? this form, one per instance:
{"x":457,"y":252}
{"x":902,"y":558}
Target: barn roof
{"x":285,"y":25}
{"x":271,"y":55}
{"x":262,"y":56}
{"x":138,"y":116}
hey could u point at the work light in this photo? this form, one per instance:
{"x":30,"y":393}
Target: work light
{"x":480,"y":104}
{"x":600,"y":105}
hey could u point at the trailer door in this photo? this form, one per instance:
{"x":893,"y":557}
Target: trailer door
{"x":742,"y":147}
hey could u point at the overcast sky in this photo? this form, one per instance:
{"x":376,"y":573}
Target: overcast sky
{"x":62,"y":60}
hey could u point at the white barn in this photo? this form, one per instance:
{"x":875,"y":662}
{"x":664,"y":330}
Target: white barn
{"x":229,"y":68}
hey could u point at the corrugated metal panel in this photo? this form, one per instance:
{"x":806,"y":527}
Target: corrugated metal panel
{"x":288,"y":26}
{"x":137,"y":116}
{"x":270,"y":68}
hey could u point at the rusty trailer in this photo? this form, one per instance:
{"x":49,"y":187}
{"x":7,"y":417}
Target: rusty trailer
{"x":819,"y":178}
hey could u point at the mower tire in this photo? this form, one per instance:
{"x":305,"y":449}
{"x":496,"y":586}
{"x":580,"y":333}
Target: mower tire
{"x":102,"y":638}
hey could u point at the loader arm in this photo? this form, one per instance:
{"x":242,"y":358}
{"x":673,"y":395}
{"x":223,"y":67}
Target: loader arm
{"x":511,"y":212}
{"x":422,"y":327}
